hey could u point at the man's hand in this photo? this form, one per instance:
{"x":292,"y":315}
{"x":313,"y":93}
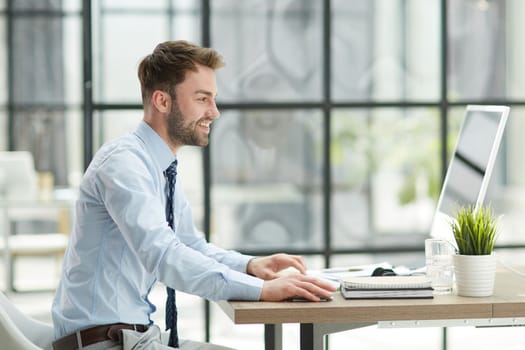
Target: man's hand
{"x":268,"y":267}
{"x":296,"y":285}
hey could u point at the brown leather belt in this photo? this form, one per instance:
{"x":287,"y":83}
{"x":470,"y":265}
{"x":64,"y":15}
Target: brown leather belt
{"x":94,"y":335}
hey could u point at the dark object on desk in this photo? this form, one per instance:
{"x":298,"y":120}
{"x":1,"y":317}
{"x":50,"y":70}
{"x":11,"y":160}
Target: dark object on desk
{"x":306,"y":300}
{"x":383,"y":272}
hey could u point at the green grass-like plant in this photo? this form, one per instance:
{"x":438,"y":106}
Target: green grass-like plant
{"x":475,"y":231}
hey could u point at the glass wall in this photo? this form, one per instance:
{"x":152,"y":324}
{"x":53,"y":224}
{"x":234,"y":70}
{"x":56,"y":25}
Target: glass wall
{"x":337,"y":120}
{"x":385,"y":176}
{"x":266,"y":179}
{"x":385,"y":50}
{"x":3,"y":79}
{"x":42,"y":80}
{"x":273,"y":50}
{"x":124,"y":32}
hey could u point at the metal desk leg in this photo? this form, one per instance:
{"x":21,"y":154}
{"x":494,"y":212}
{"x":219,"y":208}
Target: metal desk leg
{"x":312,"y":335}
{"x":308,"y":339}
{"x":273,"y":336}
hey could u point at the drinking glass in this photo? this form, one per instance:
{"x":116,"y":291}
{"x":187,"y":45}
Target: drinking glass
{"x":439,"y":264}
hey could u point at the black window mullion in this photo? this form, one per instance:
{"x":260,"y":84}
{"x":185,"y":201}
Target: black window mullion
{"x":444,"y":89}
{"x":206,"y":164}
{"x":327,"y":107}
{"x":10,"y":75}
{"x":444,"y":110}
{"x":87,"y":79}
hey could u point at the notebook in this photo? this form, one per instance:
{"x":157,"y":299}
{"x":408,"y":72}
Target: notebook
{"x":420,"y":293}
{"x":386,"y":287}
{"x":386,"y":282}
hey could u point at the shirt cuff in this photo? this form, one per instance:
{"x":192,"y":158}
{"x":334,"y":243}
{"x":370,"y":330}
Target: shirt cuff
{"x":240,"y":263}
{"x":243,"y":286}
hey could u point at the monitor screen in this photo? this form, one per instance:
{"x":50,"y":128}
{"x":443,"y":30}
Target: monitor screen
{"x":471,"y":164}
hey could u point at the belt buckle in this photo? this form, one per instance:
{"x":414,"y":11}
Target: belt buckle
{"x":115,"y":333}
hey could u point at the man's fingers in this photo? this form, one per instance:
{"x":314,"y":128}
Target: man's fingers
{"x":321,"y":291}
{"x":294,"y":261}
{"x":313,"y":289}
{"x":297,"y":285}
{"x":319,"y":282}
{"x":299,"y":263}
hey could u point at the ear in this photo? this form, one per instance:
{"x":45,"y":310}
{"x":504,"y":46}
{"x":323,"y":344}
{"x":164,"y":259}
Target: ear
{"x":161,"y":100}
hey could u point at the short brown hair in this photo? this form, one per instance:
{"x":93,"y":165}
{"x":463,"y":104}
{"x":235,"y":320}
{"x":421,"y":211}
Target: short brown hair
{"x":168,"y":64}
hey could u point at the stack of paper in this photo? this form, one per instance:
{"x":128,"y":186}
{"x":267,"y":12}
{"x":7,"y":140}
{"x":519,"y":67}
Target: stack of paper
{"x":386,"y":287}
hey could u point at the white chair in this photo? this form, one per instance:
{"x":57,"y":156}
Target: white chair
{"x":18,"y":175}
{"x":21,"y":332}
{"x":21,"y":204}
{"x":24,"y":245}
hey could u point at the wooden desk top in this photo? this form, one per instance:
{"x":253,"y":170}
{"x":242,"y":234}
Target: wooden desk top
{"x":508,"y":301}
{"x":509,"y":295}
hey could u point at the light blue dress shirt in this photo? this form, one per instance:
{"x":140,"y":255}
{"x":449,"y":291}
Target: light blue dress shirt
{"x":121,"y":244}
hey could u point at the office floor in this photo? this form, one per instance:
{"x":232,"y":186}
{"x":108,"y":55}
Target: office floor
{"x":40,"y":273}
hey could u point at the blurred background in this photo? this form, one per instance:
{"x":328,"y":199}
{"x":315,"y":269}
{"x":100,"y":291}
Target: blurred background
{"x":338,"y":118}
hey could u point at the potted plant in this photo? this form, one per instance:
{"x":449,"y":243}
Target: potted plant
{"x":475,"y":232}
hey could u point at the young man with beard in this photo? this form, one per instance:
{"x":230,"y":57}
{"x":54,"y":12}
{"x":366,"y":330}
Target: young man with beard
{"x":134,"y":227}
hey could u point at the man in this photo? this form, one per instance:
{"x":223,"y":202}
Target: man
{"x":134,"y":226}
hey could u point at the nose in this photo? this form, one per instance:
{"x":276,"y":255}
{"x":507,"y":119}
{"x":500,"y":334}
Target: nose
{"x":213,"y":112}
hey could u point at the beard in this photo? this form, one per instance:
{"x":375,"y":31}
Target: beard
{"x":181,"y":134}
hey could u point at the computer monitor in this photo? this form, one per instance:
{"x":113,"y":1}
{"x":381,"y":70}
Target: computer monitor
{"x":471,"y":164}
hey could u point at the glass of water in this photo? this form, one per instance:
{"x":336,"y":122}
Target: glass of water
{"x":439,"y":264}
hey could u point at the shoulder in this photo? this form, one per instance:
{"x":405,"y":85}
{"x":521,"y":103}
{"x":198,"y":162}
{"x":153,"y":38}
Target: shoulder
{"x":123,"y":155}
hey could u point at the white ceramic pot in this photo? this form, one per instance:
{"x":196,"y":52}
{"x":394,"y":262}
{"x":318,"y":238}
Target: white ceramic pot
{"x":475,"y":274}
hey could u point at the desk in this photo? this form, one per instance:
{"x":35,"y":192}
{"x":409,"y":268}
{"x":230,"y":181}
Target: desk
{"x":55,"y":207}
{"x":505,"y":307}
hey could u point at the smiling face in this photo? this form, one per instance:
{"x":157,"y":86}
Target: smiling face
{"x":193,"y":109}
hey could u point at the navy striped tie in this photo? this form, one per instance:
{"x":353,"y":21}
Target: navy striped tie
{"x":171,"y":308}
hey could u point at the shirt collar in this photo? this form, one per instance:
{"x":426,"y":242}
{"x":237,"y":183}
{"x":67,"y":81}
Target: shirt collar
{"x":156,"y":146}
